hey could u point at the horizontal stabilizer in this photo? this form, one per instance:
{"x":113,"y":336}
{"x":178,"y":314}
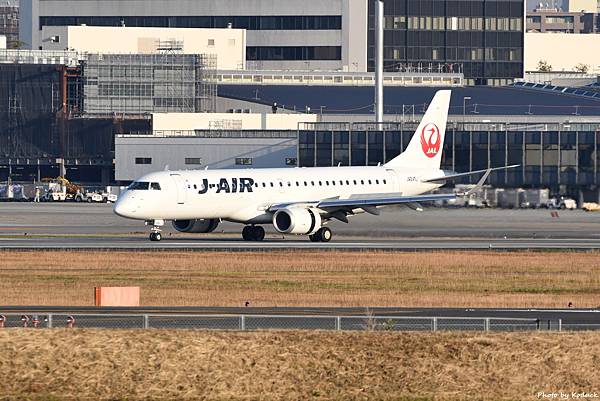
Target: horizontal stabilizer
{"x":450,"y":177}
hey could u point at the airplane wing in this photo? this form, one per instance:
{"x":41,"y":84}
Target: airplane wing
{"x":367,"y":203}
{"x":382,"y":201}
{"x":449,"y":177}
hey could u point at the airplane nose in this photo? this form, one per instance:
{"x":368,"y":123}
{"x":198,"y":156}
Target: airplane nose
{"x":123,"y":208}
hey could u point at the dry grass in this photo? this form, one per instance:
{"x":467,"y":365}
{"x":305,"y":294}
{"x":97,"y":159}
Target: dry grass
{"x":460,"y":279}
{"x":185,"y":365}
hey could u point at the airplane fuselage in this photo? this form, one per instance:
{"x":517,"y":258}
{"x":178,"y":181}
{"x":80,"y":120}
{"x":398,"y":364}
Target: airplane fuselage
{"x":245,"y":195}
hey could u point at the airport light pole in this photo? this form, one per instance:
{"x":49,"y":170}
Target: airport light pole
{"x":465,"y":99}
{"x":378,"y":61}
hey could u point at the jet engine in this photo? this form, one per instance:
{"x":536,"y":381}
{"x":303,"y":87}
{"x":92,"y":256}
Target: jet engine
{"x":196,"y":226}
{"x":297,"y":221}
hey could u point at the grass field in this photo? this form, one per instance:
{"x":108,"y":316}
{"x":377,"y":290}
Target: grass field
{"x":63,"y":364}
{"x":434,"y":279}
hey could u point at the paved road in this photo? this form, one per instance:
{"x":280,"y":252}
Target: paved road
{"x":27,"y":225}
{"x":310,"y":318}
{"x":568,"y":315}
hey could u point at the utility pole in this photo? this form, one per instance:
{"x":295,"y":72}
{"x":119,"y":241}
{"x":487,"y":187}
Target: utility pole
{"x":379,"y":61}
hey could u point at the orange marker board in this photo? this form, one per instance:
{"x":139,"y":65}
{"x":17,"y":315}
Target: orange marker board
{"x":117,"y":296}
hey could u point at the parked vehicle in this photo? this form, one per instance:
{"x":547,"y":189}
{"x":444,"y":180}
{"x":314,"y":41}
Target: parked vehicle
{"x":534,"y":198}
{"x":561,"y":203}
{"x":108,"y":197}
{"x":591,"y":207}
{"x":87,"y":197}
{"x":55,"y":193}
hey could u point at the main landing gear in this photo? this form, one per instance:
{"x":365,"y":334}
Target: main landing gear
{"x":323,"y":235}
{"x":253,"y":233}
{"x":155,"y":230}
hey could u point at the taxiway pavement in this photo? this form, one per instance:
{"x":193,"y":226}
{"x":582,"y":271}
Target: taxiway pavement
{"x":95,"y":226}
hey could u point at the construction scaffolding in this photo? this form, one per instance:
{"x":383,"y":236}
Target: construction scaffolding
{"x":149,"y":83}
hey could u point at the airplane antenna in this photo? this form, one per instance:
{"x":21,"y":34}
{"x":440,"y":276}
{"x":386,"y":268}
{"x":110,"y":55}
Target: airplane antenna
{"x":339,"y":164}
{"x":205,"y":168}
{"x":166,"y":167}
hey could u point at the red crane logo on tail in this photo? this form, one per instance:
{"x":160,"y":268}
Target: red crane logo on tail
{"x":431,"y":140}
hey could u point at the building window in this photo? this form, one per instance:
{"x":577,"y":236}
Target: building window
{"x":291,"y":161}
{"x":243,"y":161}
{"x":294,"y":53}
{"x":249,"y":22}
{"x":211,"y":42}
{"x":193,"y":160}
{"x":143,"y":160}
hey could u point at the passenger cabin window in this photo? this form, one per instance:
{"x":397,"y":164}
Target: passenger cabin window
{"x":139,"y":186}
{"x":376,"y":181}
{"x":384,"y":182}
{"x":156,"y":186}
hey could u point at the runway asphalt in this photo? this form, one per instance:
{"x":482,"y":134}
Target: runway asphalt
{"x":95,"y":226}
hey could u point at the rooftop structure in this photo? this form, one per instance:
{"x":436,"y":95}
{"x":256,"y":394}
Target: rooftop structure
{"x":227,"y":45}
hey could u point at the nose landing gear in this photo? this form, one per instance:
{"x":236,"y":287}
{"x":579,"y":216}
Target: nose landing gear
{"x":253,"y":233}
{"x":155,"y":236}
{"x":155,"y":230}
{"x":323,"y":235}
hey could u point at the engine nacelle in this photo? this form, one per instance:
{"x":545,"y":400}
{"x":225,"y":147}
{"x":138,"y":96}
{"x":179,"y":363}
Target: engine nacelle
{"x":297,"y":221}
{"x":196,"y":226}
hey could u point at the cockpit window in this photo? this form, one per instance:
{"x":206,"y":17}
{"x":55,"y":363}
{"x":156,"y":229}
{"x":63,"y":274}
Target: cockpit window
{"x":155,"y":186}
{"x":139,"y":185}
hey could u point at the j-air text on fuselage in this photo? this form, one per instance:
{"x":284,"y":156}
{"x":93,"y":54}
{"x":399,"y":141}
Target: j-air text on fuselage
{"x":295,"y":200}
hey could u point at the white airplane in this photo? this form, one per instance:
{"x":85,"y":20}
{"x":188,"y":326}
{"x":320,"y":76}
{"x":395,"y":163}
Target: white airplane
{"x":295,"y":200}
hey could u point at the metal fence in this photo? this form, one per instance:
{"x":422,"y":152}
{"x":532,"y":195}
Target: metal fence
{"x":281,"y":322}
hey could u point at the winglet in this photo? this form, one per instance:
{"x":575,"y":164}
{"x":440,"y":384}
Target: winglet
{"x":479,"y":183}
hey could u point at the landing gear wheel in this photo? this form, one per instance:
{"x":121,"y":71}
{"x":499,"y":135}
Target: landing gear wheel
{"x":259,"y":233}
{"x":324,"y":234}
{"x":253,"y":233}
{"x":155,"y":237}
{"x":246,"y":233}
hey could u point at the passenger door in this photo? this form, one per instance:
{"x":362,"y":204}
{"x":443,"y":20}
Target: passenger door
{"x":393,"y":179}
{"x":180,"y":187}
